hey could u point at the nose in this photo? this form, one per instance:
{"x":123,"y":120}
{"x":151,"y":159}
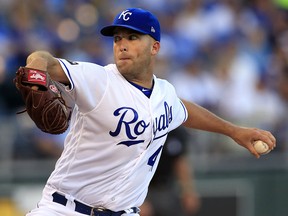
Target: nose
{"x":123,"y":49}
{"x":123,"y":45}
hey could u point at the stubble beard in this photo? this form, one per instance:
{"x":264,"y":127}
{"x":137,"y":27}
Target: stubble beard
{"x":134,"y":71}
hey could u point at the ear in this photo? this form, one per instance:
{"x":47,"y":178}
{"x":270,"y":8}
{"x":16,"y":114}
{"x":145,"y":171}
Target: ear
{"x":155,"y":47}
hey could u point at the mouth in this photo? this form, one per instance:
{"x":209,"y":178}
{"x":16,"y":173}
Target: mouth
{"x":124,"y":58}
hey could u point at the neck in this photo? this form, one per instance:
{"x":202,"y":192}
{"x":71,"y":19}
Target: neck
{"x":144,"y":83}
{"x":144,"y":78}
{"x":140,"y":74}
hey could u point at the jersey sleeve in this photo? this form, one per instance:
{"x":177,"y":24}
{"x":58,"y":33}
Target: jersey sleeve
{"x":88,"y":83}
{"x":180,"y":113}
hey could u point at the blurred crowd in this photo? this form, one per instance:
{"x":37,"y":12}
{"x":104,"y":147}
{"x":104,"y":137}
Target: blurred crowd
{"x":230,"y":56}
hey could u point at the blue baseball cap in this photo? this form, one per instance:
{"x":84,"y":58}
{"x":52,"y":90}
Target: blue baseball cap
{"x":136,"y":19}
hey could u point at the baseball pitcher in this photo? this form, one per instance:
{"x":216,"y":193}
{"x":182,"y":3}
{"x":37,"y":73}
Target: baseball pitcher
{"x":118,"y":123}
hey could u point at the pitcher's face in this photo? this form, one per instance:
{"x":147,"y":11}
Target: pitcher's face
{"x":133,"y":51}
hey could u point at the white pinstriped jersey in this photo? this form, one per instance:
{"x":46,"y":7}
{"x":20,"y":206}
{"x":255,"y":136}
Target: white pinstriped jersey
{"x":116,"y":136}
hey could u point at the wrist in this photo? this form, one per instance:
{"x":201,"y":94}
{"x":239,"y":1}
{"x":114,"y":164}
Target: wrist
{"x":37,"y":60}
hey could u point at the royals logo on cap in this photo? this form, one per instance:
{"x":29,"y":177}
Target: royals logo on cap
{"x":125,"y":15}
{"x":136,"y":19}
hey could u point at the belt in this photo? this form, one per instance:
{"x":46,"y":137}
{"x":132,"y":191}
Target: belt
{"x":88,"y":210}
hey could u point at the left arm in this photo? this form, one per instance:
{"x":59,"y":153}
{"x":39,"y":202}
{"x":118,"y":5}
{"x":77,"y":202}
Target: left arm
{"x":202,"y":119}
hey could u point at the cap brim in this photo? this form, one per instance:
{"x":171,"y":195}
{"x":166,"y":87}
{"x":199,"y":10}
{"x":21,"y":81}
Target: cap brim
{"x":110,"y":30}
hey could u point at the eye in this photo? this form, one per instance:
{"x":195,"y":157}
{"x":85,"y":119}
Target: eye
{"x":117,"y":38}
{"x":133,"y":37}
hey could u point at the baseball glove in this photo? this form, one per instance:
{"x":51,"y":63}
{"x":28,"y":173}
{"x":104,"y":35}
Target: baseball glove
{"x":44,"y":102}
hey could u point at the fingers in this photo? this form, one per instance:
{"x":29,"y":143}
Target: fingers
{"x":264,"y":136}
{"x":253,"y":151}
{"x":35,"y":87}
{"x":268,"y":138}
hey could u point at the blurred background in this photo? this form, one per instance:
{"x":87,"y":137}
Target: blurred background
{"x":230,"y":56}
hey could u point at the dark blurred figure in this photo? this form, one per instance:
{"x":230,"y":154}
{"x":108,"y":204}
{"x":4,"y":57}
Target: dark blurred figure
{"x":172,"y":191}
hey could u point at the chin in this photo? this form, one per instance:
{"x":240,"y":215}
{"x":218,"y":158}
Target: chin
{"x":123,"y":68}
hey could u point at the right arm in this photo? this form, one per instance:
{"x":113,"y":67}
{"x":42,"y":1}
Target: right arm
{"x":202,"y":119}
{"x":43,"y":60}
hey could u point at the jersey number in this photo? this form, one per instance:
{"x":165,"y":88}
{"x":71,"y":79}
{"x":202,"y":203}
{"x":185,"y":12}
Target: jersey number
{"x":153,"y":158}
